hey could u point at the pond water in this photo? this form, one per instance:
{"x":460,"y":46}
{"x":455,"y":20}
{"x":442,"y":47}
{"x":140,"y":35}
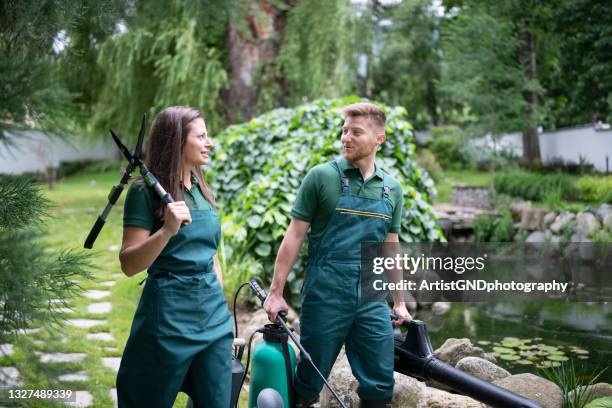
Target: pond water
{"x":586,"y":325}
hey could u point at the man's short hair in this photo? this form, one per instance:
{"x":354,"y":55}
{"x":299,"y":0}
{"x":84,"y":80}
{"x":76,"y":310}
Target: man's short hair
{"x":369,"y":110}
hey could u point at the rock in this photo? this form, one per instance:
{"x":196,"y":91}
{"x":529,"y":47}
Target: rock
{"x":531,"y":219}
{"x":108,"y":284}
{"x":96,"y":294}
{"x":407,"y":392}
{"x":536,"y":237}
{"x":112,"y":362}
{"x":342,"y":381}
{"x":100,"y":308}
{"x":560,"y":222}
{"x":434,"y":398}
{"x":6,"y":349}
{"x":481,"y":368}
{"x":598,"y":390}
{"x":607,"y":221}
{"x":604,"y":210}
{"x":579,"y":236}
{"x":61,"y":357}
{"x":100,"y":336}
{"x":587,"y":222}
{"x":113,"y":395}
{"x":518,"y":208}
{"x":454,"y":350}
{"x":440,"y":308}
{"x":83,"y":399}
{"x":10,"y":377}
{"x":548,"y":219}
{"x":535,"y":388}
{"x":78,"y":376}
{"x":85,"y":323}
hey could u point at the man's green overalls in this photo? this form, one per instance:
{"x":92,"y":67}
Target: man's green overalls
{"x":332,"y":312}
{"x":181,"y":336}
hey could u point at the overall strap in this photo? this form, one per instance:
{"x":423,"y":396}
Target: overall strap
{"x":385,"y":185}
{"x":343,"y":179}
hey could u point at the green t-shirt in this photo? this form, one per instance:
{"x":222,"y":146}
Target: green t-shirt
{"x":138,"y":207}
{"x":321,"y":189}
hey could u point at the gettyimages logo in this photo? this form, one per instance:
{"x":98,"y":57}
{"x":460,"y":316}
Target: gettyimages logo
{"x":410,"y":264}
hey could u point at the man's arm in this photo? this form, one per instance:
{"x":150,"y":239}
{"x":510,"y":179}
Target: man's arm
{"x":399,"y":304}
{"x":285,"y":259}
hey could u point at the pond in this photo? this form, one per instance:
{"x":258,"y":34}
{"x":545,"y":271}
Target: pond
{"x":585,"y":325}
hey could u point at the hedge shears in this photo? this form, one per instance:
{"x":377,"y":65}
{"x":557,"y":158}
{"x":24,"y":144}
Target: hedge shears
{"x":135,"y":161}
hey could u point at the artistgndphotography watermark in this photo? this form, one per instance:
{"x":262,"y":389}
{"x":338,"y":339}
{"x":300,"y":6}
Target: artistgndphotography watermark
{"x":482,"y":272}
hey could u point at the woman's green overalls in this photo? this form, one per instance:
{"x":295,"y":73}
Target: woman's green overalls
{"x":332,"y":312}
{"x":181,"y":336}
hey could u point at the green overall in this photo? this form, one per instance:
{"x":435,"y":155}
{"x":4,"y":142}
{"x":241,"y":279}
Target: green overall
{"x":181,"y":336}
{"x":332,"y":313}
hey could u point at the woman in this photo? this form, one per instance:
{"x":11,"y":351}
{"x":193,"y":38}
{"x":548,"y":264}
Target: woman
{"x":181,"y":336}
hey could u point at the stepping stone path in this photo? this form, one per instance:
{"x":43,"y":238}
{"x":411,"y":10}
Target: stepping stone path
{"x":100,"y":337}
{"x":6,"y":349}
{"x":85,"y":323}
{"x":96,"y":294}
{"x":112,"y":362}
{"x":80,"y":376}
{"x":83,"y":399}
{"x":61,"y":357}
{"x":10,"y":376}
{"x":100,"y":308}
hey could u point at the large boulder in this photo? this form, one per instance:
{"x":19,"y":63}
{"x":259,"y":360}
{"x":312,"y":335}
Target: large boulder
{"x":549,"y":219}
{"x":454,"y":350}
{"x":538,"y":389}
{"x":531,"y":219}
{"x":481,"y":368}
{"x":407,"y":391}
{"x":434,"y":398}
{"x":604,"y":210}
{"x":598,"y":390}
{"x":518,"y":208}
{"x":560,"y":221}
{"x":536,"y":237}
{"x":607,"y":221}
{"x":587,"y":222}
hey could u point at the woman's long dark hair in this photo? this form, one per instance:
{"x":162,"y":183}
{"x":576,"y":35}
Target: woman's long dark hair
{"x":165,"y":153}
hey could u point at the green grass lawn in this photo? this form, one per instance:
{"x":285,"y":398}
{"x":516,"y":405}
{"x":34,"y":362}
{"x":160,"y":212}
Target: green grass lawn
{"x":78,"y":200}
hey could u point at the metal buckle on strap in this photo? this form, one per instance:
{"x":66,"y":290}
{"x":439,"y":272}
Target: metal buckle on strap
{"x":345,"y":182}
{"x":386,"y":191}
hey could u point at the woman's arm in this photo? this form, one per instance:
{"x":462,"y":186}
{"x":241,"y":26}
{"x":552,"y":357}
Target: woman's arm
{"x":140,"y":249}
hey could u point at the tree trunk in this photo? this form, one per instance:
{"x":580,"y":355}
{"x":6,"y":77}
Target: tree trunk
{"x":253,"y":44}
{"x":527,"y":55}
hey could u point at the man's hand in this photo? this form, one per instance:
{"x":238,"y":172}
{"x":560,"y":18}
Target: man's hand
{"x":275,"y":303}
{"x":400,"y":311}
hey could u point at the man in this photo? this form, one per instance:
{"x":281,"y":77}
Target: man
{"x":344,"y":203}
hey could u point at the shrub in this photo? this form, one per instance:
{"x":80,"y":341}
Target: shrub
{"x":488,"y":229}
{"x":258,"y":167}
{"x":428,"y":161}
{"x":533,"y":186}
{"x":446,"y":145}
{"x":594,"y":189}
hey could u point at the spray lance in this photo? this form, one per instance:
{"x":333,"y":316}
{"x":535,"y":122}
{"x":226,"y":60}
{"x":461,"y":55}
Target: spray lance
{"x":282,"y":321}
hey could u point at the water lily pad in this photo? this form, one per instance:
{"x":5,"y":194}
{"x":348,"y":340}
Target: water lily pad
{"x":554,"y":357}
{"x":511,"y":344}
{"x":524,"y":362}
{"x":549,"y":364}
{"x":483,"y":342}
{"x":524,"y":347}
{"x":513,"y":339}
{"x":580,"y":351}
{"x":504,"y":350}
{"x":509,"y":357}
{"x":557,"y":353}
{"x":549,"y":349}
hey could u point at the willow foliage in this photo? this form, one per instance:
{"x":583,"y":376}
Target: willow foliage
{"x":172,"y":59}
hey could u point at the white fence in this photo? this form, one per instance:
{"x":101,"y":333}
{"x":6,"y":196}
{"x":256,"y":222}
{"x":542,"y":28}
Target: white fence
{"x":570,"y":144}
{"x":33,"y":151}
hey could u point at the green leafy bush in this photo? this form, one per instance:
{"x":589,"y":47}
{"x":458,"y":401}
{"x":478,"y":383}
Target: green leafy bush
{"x":532,"y":186}
{"x":595,"y":189}
{"x":488,"y":229}
{"x":259,"y":165}
{"x":446,"y":145}
{"x":428,"y":161}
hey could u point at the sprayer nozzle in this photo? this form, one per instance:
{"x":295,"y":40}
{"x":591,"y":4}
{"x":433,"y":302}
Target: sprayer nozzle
{"x":257,"y":290}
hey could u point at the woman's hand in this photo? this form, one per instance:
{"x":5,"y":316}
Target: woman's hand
{"x":174,"y":215}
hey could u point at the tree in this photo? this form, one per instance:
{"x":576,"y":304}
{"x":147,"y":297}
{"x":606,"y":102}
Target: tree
{"x":29,"y":284}
{"x":490,"y":65}
{"x":408,"y":68}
